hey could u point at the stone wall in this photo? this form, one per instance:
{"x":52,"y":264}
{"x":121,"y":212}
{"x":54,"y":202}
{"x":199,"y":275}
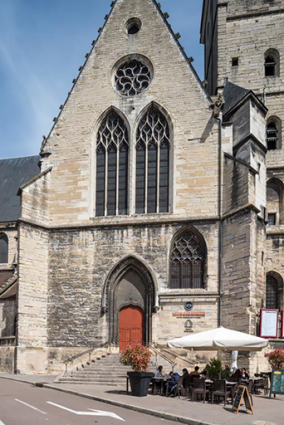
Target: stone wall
{"x":8,"y":311}
{"x":7,"y":354}
{"x":243,"y":271}
{"x":81,"y":260}
{"x":32,"y":291}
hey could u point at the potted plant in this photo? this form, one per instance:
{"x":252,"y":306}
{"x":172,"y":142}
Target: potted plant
{"x":214,"y":369}
{"x":138,"y":357}
{"x":276,"y":358}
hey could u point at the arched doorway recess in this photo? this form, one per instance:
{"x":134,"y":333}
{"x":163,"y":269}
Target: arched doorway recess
{"x":129,"y":289}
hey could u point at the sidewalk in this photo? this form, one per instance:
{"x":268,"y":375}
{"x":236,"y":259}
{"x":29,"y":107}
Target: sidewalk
{"x":266,"y":411}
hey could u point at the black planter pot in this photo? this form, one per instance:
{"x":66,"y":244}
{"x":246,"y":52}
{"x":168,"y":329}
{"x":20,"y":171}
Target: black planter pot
{"x":139,"y":382}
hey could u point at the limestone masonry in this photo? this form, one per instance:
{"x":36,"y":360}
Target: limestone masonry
{"x":154,"y":189}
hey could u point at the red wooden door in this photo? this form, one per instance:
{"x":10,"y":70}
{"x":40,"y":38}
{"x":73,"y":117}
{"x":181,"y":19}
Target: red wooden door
{"x":130,"y":326}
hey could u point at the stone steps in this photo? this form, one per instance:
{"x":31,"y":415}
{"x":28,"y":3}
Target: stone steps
{"x":105,"y":370}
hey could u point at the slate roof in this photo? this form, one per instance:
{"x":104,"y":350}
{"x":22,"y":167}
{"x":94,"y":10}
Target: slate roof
{"x":232,"y":95}
{"x":14,"y":172}
{"x":8,"y":284}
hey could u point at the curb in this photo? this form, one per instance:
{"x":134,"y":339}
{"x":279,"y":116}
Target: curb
{"x":162,"y":415}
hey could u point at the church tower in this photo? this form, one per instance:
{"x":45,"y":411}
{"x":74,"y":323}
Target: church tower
{"x":244,"y":44}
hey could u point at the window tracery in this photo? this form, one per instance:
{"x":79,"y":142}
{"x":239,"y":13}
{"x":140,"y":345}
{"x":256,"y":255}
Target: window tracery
{"x":132,"y":78}
{"x":152,"y":163}
{"x":112,"y":167}
{"x":187,"y":262}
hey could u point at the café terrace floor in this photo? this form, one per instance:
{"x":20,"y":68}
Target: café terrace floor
{"x":266,"y":411}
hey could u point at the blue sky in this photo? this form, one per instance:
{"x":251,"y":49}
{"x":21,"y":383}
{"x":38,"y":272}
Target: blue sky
{"x":42,"y":45}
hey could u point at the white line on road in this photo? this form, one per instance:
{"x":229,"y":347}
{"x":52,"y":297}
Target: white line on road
{"x":2,"y":423}
{"x":32,"y":407}
{"x":93,"y":413}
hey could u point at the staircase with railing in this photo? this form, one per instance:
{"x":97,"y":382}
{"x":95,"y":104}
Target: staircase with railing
{"x":106,"y":369}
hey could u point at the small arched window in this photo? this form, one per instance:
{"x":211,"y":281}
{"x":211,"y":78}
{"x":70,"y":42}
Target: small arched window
{"x":271,"y":136}
{"x":112,"y":167}
{"x":3,"y":249}
{"x":273,"y":133}
{"x":271,"y":63}
{"x":274,"y":205}
{"x":272,"y":292}
{"x":187,"y":262}
{"x":152,"y":163}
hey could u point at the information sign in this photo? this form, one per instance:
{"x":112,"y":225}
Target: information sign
{"x":277,"y":382}
{"x":268,"y":323}
{"x":242,"y":393}
{"x":282,"y":324}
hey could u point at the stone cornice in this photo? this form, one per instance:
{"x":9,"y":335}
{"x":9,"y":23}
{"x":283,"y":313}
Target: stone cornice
{"x":131,"y":222}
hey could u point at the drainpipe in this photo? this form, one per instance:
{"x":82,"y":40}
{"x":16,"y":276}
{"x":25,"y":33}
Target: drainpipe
{"x":216,"y":112}
{"x":220,"y":217}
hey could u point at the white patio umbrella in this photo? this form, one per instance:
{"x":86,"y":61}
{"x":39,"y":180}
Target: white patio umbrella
{"x":220,"y":338}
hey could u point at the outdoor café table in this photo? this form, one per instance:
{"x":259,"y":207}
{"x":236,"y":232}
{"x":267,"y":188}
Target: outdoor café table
{"x":159,"y":381}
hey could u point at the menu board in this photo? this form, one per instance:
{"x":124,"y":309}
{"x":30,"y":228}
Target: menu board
{"x":277,"y":382}
{"x":242,"y":393}
{"x":268,"y":323}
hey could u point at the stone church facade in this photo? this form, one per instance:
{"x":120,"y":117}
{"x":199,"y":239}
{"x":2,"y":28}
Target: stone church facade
{"x":151,"y":195}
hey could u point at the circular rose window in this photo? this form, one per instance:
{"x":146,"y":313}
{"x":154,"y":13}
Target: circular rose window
{"x":132,"y":77}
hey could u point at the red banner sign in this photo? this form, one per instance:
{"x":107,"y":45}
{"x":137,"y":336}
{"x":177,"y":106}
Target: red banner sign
{"x":187,"y":314}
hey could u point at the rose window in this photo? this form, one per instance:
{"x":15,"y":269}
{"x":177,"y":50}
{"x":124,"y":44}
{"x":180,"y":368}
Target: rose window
{"x":132,"y":78}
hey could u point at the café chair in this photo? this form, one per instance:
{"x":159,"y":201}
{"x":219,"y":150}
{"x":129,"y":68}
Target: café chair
{"x":220,"y":389}
{"x":199,"y":387}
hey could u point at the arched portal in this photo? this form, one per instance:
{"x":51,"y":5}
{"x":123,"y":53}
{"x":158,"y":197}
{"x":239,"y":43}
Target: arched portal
{"x":129,"y":297}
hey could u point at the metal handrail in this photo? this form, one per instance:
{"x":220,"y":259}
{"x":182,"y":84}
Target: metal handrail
{"x":77,"y":356}
{"x":158,"y":352}
{"x":190,"y":362}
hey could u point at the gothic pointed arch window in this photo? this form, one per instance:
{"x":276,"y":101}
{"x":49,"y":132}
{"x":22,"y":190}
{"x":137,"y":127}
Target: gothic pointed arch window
{"x":187,"y":262}
{"x":152,"y":163}
{"x":3,"y":249}
{"x":112,"y":167}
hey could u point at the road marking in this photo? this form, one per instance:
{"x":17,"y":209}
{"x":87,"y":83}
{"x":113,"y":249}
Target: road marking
{"x":32,"y":407}
{"x":93,"y":413}
{"x":2,"y":423}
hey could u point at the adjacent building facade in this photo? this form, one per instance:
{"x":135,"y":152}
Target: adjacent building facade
{"x":151,"y":199}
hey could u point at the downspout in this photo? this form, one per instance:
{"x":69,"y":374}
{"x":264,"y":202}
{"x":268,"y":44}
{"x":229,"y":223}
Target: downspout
{"x":216,"y":112}
{"x":220,"y":218}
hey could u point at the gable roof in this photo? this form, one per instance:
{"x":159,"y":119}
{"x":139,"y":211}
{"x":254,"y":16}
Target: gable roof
{"x":164,"y":17}
{"x":14,"y":172}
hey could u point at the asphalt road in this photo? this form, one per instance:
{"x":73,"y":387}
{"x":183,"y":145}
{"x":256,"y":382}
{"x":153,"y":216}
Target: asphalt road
{"x":25,"y":404}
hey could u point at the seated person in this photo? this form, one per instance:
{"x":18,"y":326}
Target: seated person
{"x":237,"y":375}
{"x":172,"y":384}
{"x":158,"y":377}
{"x":185,"y":374}
{"x":195,"y":372}
{"x":159,"y":372}
{"x":244,"y":374}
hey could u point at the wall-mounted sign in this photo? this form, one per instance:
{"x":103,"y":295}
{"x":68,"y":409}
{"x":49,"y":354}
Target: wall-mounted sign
{"x":188,"y":306}
{"x":282,"y":324}
{"x":196,"y":314}
{"x":268,"y":323}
